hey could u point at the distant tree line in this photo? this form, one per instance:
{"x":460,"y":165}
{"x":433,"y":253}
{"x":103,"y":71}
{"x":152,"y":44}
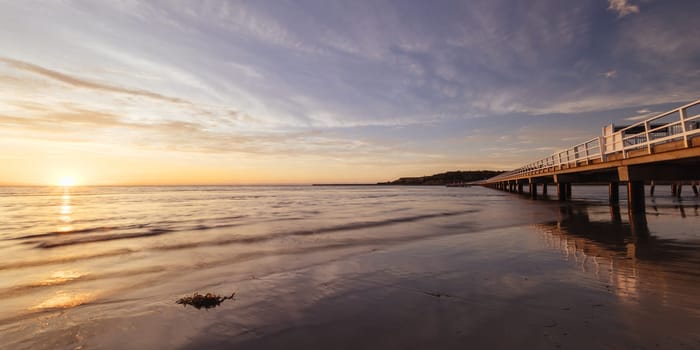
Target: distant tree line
{"x":450,"y":177}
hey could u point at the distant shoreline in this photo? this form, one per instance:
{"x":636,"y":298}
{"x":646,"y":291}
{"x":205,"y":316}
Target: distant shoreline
{"x":344,"y":184}
{"x":378,"y":184}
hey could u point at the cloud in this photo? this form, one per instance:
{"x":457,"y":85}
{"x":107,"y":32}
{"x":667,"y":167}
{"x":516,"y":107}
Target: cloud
{"x":642,"y":114}
{"x":69,"y":123}
{"x":622,"y":7}
{"x":611,"y":74}
{"x":86,"y":84}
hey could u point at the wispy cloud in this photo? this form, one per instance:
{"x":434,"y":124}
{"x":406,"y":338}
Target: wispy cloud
{"x":611,"y":74}
{"x":642,"y":114}
{"x":622,"y":7}
{"x":77,"y":124}
{"x":81,"y":83}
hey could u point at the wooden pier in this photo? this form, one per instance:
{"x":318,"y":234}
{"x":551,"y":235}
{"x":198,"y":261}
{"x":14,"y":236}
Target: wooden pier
{"x":664,"y":149}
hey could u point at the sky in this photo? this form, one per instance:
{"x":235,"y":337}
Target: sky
{"x":295,"y":92}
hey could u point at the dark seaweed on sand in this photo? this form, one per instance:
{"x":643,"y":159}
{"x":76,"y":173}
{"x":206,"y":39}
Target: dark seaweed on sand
{"x":206,"y":301}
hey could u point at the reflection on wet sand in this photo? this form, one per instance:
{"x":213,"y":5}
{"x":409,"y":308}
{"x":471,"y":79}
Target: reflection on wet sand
{"x":60,"y":277}
{"x":627,"y":256}
{"x":684,"y":209}
{"x":65,"y":300}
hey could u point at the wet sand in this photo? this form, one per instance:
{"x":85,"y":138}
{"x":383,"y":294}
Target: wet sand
{"x":576,"y":275}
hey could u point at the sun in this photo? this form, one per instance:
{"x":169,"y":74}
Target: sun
{"x":67,"y":181}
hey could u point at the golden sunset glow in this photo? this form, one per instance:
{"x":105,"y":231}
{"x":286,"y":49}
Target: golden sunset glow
{"x":266,"y":100}
{"x":67,"y":181}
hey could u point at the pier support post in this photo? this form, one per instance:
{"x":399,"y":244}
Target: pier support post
{"x":544,"y":189}
{"x":613,"y":192}
{"x":520,"y":187}
{"x":673,"y":189}
{"x":635,"y":197}
{"x":679,"y":189}
{"x":615,"y":215}
{"x":533,"y":190}
{"x":639,"y":226}
{"x":695,"y":189}
{"x":651,"y":188}
{"x":561,"y":191}
{"x":568,"y":191}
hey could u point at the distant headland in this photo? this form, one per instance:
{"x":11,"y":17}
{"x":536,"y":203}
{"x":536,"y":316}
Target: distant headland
{"x":442,"y":179}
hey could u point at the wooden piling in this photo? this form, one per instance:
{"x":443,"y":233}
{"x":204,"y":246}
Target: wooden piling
{"x":561,"y":191}
{"x":615,"y":215}
{"x":613,"y":192}
{"x":533,"y":190}
{"x":635,"y":197}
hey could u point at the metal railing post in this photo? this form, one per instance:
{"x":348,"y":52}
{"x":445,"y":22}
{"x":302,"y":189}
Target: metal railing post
{"x":646,"y":136}
{"x":559,"y":160}
{"x":682,"y":113}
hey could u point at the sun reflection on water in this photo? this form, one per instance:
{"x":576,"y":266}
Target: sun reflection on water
{"x":65,"y":211}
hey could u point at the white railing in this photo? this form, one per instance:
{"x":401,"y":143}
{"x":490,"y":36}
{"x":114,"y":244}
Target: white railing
{"x":641,"y":135}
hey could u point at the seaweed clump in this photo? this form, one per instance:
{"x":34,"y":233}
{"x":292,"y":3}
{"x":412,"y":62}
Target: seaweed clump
{"x":206,"y":301}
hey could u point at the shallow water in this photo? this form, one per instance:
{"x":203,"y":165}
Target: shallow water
{"x":345,"y":267}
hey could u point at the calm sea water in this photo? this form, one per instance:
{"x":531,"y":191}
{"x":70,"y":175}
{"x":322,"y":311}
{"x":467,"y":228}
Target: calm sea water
{"x":405,"y":267}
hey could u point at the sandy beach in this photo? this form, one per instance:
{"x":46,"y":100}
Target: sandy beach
{"x":549,"y":275}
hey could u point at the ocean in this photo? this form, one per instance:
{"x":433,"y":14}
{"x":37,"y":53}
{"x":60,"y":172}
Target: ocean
{"x":345,"y":267}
